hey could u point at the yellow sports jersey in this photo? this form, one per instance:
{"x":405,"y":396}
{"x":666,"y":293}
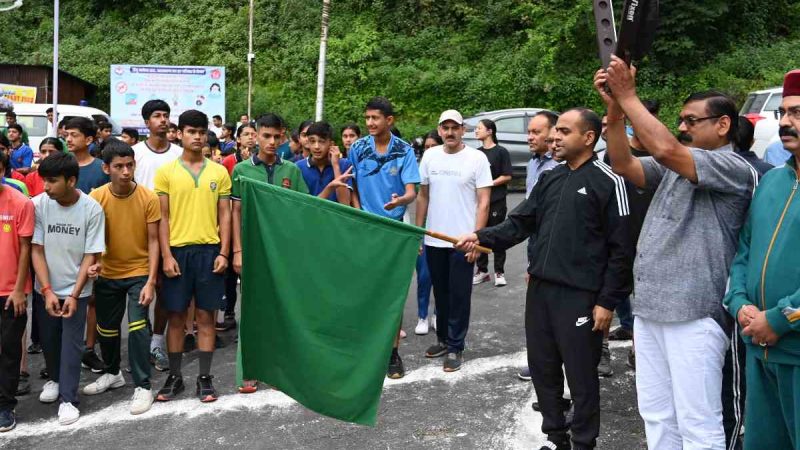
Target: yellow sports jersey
{"x":193,"y":200}
{"x":126,"y":252}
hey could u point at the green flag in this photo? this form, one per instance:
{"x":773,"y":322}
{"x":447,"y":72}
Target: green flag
{"x":323,"y":290}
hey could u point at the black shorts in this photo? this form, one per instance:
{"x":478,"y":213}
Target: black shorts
{"x":197,"y":280}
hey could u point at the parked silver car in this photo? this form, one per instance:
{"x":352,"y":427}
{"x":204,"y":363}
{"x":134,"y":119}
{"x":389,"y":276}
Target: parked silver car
{"x":512,"y":133}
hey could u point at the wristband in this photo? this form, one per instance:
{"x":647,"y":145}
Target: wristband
{"x":220,"y":254}
{"x":237,"y":251}
{"x":72,"y":297}
{"x":45,"y":289}
{"x":616,"y":119}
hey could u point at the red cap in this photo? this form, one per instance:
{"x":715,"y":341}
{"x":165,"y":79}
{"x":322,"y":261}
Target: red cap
{"x":791,"y":83}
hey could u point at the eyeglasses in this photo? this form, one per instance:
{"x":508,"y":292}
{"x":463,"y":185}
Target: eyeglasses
{"x":793,"y":112}
{"x":692,"y":121}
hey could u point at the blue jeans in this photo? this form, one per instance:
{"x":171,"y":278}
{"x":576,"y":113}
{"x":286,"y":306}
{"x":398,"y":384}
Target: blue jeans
{"x":423,"y":285}
{"x":625,"y":315}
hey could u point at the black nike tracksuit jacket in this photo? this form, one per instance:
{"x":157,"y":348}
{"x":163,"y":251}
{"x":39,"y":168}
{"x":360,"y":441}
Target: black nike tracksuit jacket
{"x":583,"y":255}
{"x":580,"y":222}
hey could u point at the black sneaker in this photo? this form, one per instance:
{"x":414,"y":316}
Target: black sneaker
{"x":228,"y":324}
{"x":631,"y":359}
{"x":34,"y":349}
{"x":620,"y":334}
{"x":453,"y":361}
{"x":604,"y":367}
{"x":8,"y":420}
{"x":524,"y":374}
{"x":24,"y":384}
{"x":189,"y":343}
{"x":561,"y":445}
{"x":437,"y":350}
{"x":90,"y":360}
{"x":172,"y":387}
{"x":205,"y":389}
{"x":396,"y":369}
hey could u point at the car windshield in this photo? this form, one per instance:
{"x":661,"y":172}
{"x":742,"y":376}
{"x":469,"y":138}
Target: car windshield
{"x":471,"y":123}
{"x":774,"y":102}
{"x":754,"y":103}
{"x":33,"y":125}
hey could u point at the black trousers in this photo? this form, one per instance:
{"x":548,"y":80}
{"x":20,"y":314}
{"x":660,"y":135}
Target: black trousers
{"x":733,"y":390}
{"x":231,"y":278}
{"x":497,"y":214}
{"x":11,"y":331}
{"x":451,"y":275}
{"x":558,"y":328}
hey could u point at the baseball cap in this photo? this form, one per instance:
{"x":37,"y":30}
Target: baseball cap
{"x":451,"y":114}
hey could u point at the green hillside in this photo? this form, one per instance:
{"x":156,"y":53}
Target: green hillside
{"x":424,"y":55}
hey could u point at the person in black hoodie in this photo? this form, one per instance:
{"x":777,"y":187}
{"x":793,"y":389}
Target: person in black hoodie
{"x":579,"y":217}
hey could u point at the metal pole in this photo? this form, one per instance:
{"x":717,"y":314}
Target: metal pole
{"x":323,"y":46}
{"x":55,"y":67}
{"x":250,"y":57}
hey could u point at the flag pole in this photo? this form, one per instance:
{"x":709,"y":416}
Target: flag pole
{"x":250,"y":57}
{"x":323,"y":47}
{"x":454,"y":241}
{"x":55,"y":66}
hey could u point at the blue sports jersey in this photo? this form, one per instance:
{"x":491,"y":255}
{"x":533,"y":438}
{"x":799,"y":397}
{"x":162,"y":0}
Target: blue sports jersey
{"x":379,"y":176}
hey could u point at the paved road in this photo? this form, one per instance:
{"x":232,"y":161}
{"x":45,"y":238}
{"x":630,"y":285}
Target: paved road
{"x":484,"y":406}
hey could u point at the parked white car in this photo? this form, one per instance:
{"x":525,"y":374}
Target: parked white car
{"x":761,"y":108}
{"x":33,"y":118}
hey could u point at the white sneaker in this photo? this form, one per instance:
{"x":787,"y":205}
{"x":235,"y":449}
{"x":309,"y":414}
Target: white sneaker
{"x":499,"y":279}
{"x":481,"y":277}
{"x":68,"y":414}
{"x":142,"y":400}
{"x":104,"y":383}
{"x":422,"y":327}
{"x":49,"y":392}
{"x":432,"y":321}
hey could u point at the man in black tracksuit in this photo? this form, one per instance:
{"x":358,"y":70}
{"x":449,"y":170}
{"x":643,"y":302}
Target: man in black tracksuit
{"x":578,"y":216}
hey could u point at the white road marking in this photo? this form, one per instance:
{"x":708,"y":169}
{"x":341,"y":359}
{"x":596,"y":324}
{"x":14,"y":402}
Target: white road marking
{"x":190,"y":407}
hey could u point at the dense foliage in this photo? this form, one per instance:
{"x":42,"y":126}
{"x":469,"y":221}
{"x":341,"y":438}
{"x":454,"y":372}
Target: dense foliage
{"x":425,"y":55}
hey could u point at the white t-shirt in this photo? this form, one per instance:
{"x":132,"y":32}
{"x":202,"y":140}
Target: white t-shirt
{"x":68,"y":233}
{"x":148,"y":161}
{"x":453,"y":180}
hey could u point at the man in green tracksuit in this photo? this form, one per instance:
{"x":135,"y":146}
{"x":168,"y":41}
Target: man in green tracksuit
{"x":764,"y":293}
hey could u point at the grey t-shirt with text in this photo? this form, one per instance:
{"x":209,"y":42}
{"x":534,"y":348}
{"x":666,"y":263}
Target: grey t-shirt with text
{"x":67,"y":234}
{"x":690,"y":235}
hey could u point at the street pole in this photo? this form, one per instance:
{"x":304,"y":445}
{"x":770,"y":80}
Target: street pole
{"x":55,"y":67}
{"x":250,"y":57}
{"x":323,"y":47}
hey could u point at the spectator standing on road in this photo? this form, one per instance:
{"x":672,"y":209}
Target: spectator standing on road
{"x":129,"y":136}
{"x":11,"y":119}
{"x":424,"y":284}
{"x":744,"y":141}
{"x":227,"y":139}
{"x":17,"y":215}
{"x":21,"y":155}
{"x":453,"y":199}
{"x":764,"y":296}
{"x":385,"y":176}
{"x":500,"y":164}
{"x":245,"y":147}
{"x":172,"y":134}
{"x":579,"y":219}
{"x":325,"y":171}
{"x":126,"y":275}
{"x":701,"y":198}
{"x":80,"y":134}
{"x":195,"y":241}
{"x":350,"y":133}
{"x":71,"y":226}
{"x":302,"y":133}
{"x":150,"y":155}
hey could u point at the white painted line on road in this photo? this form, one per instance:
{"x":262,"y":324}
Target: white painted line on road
{"x":119,"y":412}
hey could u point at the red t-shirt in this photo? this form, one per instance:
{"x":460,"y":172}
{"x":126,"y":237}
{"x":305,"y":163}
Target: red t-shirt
{"x":17,"y":176}
{"x":16,"y":220}
{"x":229,"y":162}
{"x":35,"y":183}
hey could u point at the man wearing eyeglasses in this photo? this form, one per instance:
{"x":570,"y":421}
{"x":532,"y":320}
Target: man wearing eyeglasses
{"x":764,"y":297}
{"x":702,"y":190}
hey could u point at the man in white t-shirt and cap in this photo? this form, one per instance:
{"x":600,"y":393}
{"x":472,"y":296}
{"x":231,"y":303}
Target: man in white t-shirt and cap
{"x":151,"y":154}
{"x":456,"y":182}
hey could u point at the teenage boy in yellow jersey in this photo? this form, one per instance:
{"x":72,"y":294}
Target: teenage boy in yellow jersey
{"x":195,"y":242}
{"x":127,"y":273}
